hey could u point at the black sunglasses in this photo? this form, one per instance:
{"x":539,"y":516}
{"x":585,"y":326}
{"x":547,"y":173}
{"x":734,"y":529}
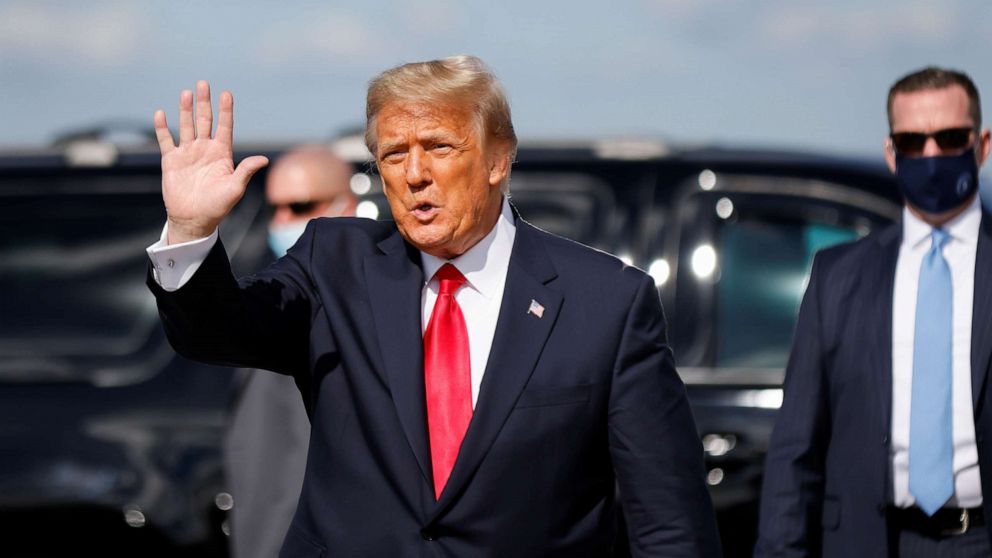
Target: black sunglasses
{"x":297,"y":208}
{"x":948,"y":139}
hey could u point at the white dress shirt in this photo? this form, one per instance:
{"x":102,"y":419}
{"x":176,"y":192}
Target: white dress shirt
{"x":173,"y":265}
{"x":483,"y":265}
{"x":959,"y":252}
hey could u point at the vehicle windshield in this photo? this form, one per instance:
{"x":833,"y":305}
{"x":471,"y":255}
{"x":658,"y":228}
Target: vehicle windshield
{"x":574,"y":205}
{"x":72,"y":269}
{"x":746,"y":251}
{"x":579,"y":206}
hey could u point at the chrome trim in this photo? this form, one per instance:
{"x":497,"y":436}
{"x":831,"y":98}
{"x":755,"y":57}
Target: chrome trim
{"x":707,"y":376}
{"x":809,"y":188}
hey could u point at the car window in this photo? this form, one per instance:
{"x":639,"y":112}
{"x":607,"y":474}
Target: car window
{"x":73,"y":300}
{"x":743,"y":256}
{"x":763,"y":269}
{"x":74,"y":263}
{"x":575,"y":205}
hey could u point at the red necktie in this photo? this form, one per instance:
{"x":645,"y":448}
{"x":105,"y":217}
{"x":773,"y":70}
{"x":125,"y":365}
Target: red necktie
{"x":447,"y":376}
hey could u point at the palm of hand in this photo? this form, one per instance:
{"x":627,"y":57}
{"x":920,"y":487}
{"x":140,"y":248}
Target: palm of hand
{"x":200,"y":184}
{"x":198,"y":181}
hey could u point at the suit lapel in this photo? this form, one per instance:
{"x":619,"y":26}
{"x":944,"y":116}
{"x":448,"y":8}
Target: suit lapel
{"x":395,"y":282}
{"x":883,"y":267}
{"x":981,"y":317}
{"x":517,"y":344}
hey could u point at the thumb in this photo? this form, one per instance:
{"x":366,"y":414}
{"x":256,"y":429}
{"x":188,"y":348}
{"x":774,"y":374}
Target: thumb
{"x":248,"y":167}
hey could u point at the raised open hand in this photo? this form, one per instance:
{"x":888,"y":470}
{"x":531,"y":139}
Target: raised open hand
{"x":200,"y":184}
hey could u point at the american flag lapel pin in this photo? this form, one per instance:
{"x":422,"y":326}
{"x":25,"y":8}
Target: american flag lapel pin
{"x":535,"y":308}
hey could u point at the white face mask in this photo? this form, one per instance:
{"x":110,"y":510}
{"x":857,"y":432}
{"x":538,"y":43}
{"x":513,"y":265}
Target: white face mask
{"x":282,"y":237}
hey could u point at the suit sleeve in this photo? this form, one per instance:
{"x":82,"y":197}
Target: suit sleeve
{"x":792,"y":494}
{"x":654,"y":445}
{"x":261,"y":321}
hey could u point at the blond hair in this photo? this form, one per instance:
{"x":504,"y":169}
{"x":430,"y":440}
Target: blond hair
{"x":458,"y":80}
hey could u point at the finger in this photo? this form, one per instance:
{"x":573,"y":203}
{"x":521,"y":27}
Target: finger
{"x":165,"y":142}
{"x":248,"y":167}
{"x":204,"y":112}
{"x":225,"y":118}
{"x":186,"y":133}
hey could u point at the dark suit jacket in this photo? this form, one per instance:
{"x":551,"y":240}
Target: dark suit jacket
{"x":827,"y":475}
{"x":265,"y":456}
{"x":571,"y":402}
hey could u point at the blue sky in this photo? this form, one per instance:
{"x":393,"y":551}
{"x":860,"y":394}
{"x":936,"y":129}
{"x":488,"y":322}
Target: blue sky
{"x":794,"y":74}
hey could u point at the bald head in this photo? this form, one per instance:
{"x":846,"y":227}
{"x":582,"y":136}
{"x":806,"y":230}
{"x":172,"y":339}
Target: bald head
{"x":313,"y":179}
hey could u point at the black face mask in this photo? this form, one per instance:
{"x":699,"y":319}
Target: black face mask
{"x":937,"y":184}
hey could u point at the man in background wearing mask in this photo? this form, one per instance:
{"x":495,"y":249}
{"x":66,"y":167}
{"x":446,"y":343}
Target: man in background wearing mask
{"x":884,"y":439}
{"x":269,"y":432}
{"x":305,"y":183}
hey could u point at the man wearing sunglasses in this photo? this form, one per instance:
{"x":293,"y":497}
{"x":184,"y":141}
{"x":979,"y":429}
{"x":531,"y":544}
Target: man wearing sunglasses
{"x":305,"y":183}
{"x":882,"y":445}
{"x":265,"y":447}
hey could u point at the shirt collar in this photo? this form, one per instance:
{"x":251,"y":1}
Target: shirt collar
{"x":483,"y":265}
{"x":964,"y":227}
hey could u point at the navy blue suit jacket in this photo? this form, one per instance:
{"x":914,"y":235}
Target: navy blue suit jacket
{"x":828,"y":474}
{"x":571,"y":402}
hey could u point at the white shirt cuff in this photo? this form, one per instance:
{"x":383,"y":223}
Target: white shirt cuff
{"x":173,"y":265}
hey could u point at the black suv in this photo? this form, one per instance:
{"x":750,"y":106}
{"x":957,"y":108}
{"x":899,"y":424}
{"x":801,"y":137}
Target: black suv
{"x":109,"y":441}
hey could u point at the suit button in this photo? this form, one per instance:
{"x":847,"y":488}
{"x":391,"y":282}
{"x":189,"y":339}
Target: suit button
{"x":429,"y":533}
{"x":885,"y":439}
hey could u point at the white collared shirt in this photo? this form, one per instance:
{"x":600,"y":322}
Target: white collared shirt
{"x":484,"y":267}
{"x":959,"y":252}
{"x":174,"y":264}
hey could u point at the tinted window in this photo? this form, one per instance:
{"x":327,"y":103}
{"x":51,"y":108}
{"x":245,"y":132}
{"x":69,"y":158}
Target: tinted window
{"x":73,"y":301}
{"x":72,"y":271}
{"x":575,"y":205}
{"x":743,"y":260}
{"x":763,"y":270}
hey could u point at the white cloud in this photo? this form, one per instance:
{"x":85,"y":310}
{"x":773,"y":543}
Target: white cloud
{"x":330,"y":36}
{"x":104,"y":34}
{"x":851,"y":28}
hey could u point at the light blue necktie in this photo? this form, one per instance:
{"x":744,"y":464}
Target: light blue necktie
{"x":931,"y":473}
